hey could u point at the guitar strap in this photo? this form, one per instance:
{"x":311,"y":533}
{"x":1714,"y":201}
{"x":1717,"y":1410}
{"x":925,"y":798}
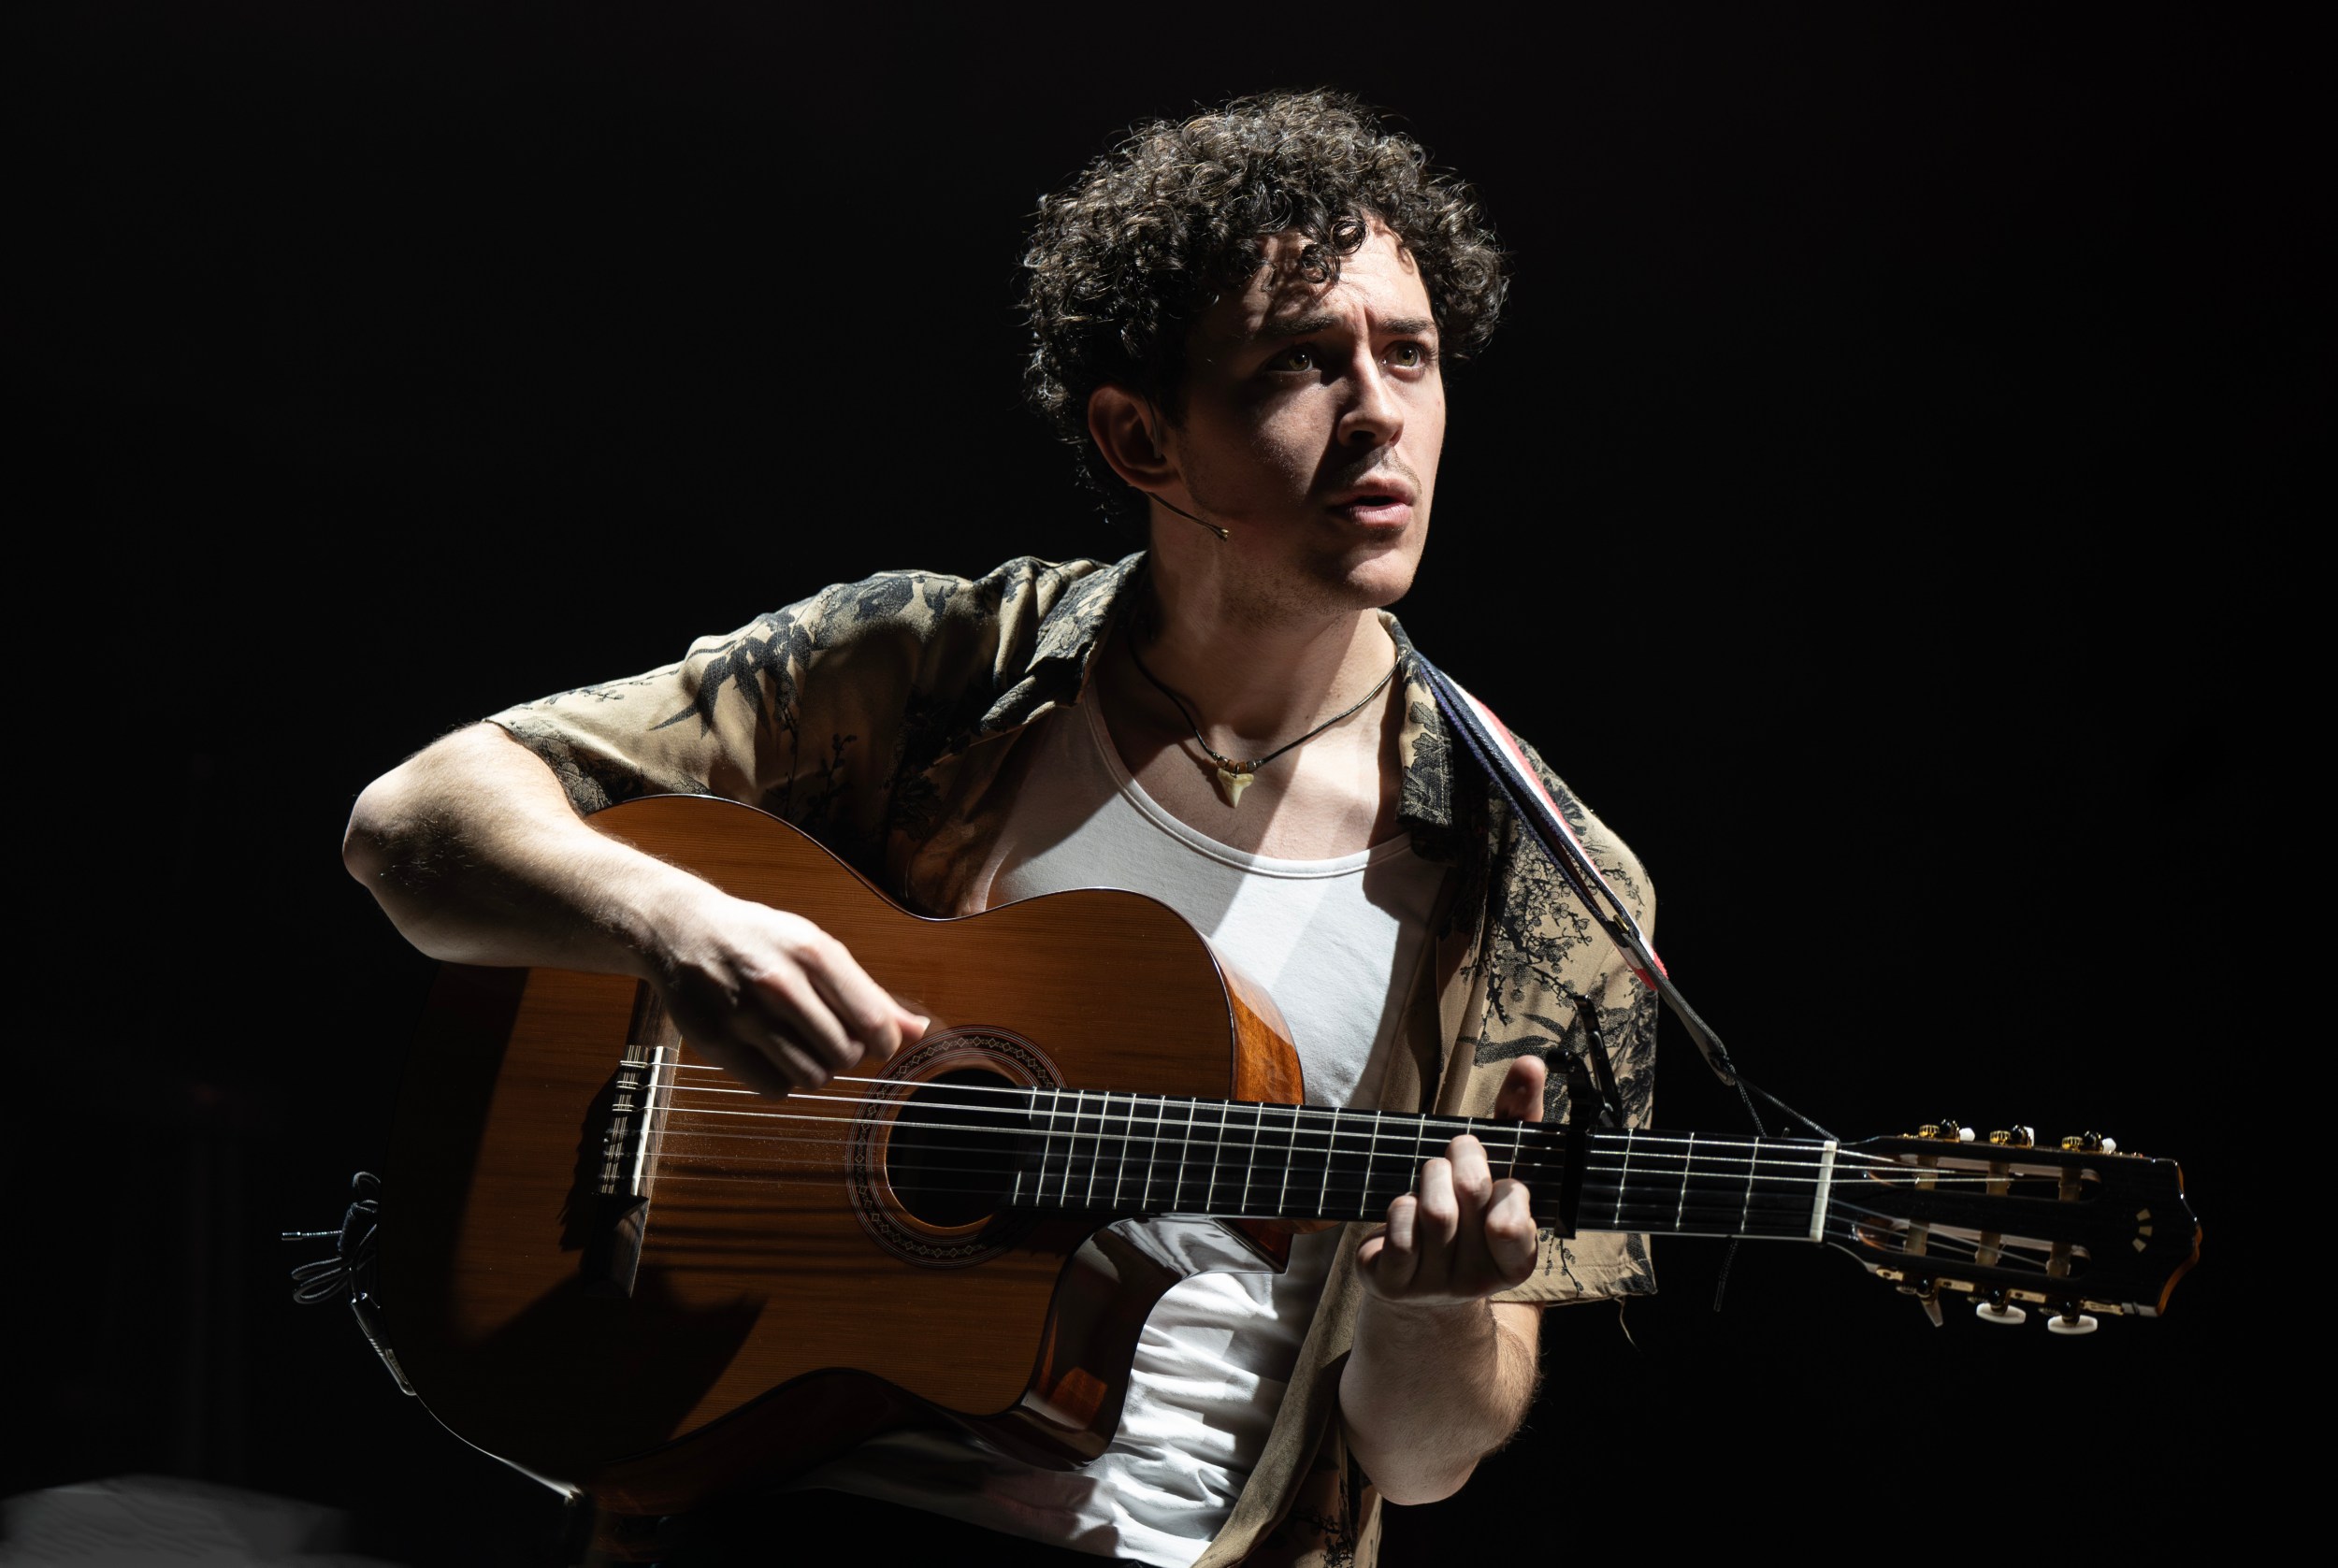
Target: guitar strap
{"x":1491,"y":746}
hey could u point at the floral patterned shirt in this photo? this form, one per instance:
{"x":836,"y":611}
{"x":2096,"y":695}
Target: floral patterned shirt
{"x":877,"y":717}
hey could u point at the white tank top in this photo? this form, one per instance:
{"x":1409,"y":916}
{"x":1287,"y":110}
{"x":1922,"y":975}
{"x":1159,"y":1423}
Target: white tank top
{"x":1335,"y":942}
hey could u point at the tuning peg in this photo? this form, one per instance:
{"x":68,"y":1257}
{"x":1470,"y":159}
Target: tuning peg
{"x":2090,"y":1143}
{"x":2015,"y":1137}
{"x":1928,"y":1297}
{"x":2071,"y":1322}
{"x":1949,"y":1131}
{"x":1994,"y":1311}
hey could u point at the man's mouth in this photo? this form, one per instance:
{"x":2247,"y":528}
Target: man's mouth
{"x":1384,"y":504}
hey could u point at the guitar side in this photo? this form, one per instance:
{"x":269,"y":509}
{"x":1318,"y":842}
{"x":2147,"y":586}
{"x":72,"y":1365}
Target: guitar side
{"x":758,"y":1282}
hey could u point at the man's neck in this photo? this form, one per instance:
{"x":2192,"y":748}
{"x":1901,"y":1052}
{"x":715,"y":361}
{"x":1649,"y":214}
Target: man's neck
{"x":1263,"y":672}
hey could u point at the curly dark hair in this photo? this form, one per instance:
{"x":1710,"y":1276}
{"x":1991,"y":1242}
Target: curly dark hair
{"x":1149,"y":235}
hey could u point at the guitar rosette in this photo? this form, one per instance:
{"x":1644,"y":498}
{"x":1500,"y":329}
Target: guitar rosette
{"x":937,"y":1143}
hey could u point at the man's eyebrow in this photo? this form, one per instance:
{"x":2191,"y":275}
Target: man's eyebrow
{"x":1298,"y":327}
{"x":1302,"y":326}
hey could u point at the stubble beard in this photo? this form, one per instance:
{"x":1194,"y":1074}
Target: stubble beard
{"x":1325,"y":586}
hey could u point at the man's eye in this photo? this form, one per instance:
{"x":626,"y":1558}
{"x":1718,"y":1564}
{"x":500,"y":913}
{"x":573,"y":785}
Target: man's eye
{"x":1408,"y":356}
{"x":1297,"y":357}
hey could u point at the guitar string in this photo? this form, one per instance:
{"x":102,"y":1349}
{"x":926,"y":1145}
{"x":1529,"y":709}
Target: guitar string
{"x":1725,"y":1185}
{"x":1716,"y":1224}
{"x":1595,"y":1195}
{"x":1730,"y":1191}
{"x":1041,"y":1124}
{"x":2017,"y":1255}
{"x":679,"y":1244}
{"x":1654,"y":1214}
{"x":1717,"y":1220}
{"x":1987,"y":1153}
{"x":1725,"y":1181}
{"x":1036,"y":1122}
{"x":1729,"y":1194}
{"x":1654,"y":1197}
{"x":907,"y":1087}
{"x":1864,"y":1230}
{"x":1732,"y":1216}
{"x":1028,"y":1098}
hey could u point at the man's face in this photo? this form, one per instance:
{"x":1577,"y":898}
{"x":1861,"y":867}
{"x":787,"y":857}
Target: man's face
{"x":1313,"y":415}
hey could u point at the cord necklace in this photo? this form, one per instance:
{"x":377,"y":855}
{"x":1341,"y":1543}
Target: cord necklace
{"x":1235,"y":777}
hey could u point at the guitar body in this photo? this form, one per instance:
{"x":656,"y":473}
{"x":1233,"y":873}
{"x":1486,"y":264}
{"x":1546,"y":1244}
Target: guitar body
{"x":662,"y":1341}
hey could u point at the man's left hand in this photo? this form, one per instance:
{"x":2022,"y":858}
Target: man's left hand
{"x":1460,"y":1235}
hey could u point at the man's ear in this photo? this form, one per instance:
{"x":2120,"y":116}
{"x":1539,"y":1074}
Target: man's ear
{"x":1126,"y":430}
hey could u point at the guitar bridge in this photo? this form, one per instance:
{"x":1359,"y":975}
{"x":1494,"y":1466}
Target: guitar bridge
{"x":633,"y":1132}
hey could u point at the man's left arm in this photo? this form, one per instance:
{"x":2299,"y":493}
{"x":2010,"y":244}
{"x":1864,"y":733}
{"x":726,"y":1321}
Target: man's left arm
{"x":1439,"y":1375}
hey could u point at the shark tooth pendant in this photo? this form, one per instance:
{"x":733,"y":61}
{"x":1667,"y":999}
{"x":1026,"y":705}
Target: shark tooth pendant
{"x":1231,"y":782}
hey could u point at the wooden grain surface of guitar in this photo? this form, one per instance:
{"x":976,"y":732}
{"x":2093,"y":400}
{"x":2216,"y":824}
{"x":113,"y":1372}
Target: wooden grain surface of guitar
{"x":750,"y":1286}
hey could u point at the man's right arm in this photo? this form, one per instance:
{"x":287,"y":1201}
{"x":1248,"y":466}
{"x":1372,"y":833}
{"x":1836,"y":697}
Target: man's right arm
{"x":472,"y":849}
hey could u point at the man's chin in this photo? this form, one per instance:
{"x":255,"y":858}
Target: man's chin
{"x":1374,"y":578}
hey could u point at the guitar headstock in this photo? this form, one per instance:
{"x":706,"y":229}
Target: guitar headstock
{"x":2076,"y":1229}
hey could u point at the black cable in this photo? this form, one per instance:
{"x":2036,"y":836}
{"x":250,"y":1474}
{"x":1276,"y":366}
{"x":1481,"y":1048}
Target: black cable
{"x":336,"y":1278}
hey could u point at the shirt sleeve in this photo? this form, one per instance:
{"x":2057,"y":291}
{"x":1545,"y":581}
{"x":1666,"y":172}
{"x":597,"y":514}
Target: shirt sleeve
{"x":799,"y":713}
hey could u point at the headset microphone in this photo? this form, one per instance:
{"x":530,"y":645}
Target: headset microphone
{"x":1173,"y":506}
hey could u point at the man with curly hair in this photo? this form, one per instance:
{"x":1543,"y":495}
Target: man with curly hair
{"x":1241,"y":322}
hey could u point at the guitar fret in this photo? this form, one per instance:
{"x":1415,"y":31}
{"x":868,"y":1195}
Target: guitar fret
{"x":1128,"y":1142}
{"x":1144,"y":1199}
{"x":1096,"y":1145}
{"x":1687,"y":1160}
{"x":1250,"y":1166}
{"x":1753,"y":1164}
{"x":1209,"y":1183}
{"x":1623,"y":1180}
{"x":1046,"y":1145}
{"x":1161,"y":1136}
{"x":1290,"y":1158}
{"x":1185,"y":1147}
{"x":1371,"y":1152}
{"x":1826,"y":1182}
{"x":1045,"y":1160}
{"x":1104,"y":1145}
{"x":1015,"y":1194}
{"x":1071,"y":1137}
{"x":1329,"y":1146}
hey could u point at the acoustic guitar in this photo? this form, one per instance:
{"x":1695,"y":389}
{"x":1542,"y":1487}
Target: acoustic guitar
{"x":607,"y":1264}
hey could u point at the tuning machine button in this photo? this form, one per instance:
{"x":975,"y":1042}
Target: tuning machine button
{"x":2090,"y":1143}
{"x":2015,"y":1137}
{"x":2071,"y":1322}
{"x":1948,"y":1131}
{"x":1928,"y":1295}
{"x":1995,"y":1311}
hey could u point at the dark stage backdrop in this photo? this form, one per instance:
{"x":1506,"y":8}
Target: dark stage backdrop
{"x":1877,"y":504}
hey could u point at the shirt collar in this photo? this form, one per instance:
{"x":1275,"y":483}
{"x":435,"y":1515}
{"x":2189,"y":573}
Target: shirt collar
{"x":1072,"y":628}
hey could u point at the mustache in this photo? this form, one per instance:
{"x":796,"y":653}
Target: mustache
{"x":1387,"y":466}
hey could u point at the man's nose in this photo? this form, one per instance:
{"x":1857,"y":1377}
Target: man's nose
{"x":1375,"y":417}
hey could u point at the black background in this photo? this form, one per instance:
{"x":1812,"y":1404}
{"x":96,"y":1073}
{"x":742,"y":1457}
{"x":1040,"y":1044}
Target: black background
{"x":1882,"y":503}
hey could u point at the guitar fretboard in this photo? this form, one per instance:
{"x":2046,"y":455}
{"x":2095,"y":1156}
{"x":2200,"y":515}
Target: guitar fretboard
{"x":1145,"y":1153}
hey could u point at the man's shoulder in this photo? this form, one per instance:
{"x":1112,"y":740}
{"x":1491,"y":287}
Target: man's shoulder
{"x":1026,"y":589}
{"x":1609,"y":852}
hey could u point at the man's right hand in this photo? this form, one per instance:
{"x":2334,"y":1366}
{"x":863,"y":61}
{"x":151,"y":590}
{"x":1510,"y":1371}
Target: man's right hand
{"x":773,"y":998}
{"x":475,"y":853}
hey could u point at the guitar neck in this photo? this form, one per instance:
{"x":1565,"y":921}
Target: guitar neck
{"x":1147,"y":1154}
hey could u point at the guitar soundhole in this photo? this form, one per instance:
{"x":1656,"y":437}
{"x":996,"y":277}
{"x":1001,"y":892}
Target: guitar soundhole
{"x":950,"y":1159}
{"x":932,"y":1155}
